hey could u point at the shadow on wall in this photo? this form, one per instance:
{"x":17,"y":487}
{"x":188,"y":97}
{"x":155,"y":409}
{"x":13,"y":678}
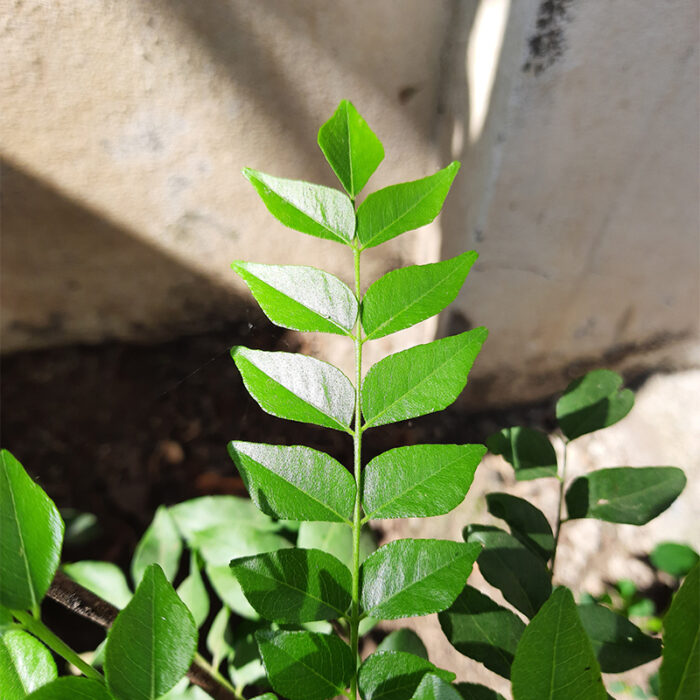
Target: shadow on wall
{"x":102,"y":281}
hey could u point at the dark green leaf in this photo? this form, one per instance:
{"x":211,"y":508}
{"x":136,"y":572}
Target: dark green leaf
{"x":193,"y":593}
{"x":297,"y":387}
{"x":593,"y":402}
{"x":102,"y":578}
{"x":152,"y":642}
{"x":404,"y":640}
{"x":512,"y":568}
{"x":25,"y":665}
{"x":221,"y":543}
{"x":432,"y":687}
{"x":420,"y":380}
{"x":527,"y":523}
{"x":411,"y":294}
{"x":336,"y":539}
{"x":301,"y":298}
{"x":618,"y":644}
{"x":633,"y":495}
{"x":482,"y":630}
{"x":160,"y":544}
{"x":295,"y":482}
{"x":351,"y":147}
{"x":71,"y":688}
{"x":31,"y":532}
{"x":680,"y":669}
{"x":306,"y":665}
{"x":529,"y":451}
{"x":395,"y":675}
{"x":415,"y":577}
{"x":314,"y":209}
{"x":295,"y":585}
{"x":473,"y":691}
{"x":400,"y":208}
{"x":674,"y":558}
{"x":554,"y":659}
{"x":229,"y":590}
{"x":419,"y":480}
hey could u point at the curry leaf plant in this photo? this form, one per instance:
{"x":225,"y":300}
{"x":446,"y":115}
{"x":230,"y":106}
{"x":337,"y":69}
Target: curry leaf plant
{"x":404,"y":578}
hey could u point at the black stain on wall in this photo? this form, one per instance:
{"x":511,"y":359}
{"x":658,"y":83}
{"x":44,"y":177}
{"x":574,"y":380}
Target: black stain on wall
{"x":548,"y":43}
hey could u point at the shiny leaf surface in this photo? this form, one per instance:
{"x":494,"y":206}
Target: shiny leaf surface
{"x":71,"y":688}
{"x":432,"y":687}
{"x":25,"y":665}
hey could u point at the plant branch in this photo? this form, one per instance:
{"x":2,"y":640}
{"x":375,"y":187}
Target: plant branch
{"x":560,"y":508}
{"x":85,"y":603}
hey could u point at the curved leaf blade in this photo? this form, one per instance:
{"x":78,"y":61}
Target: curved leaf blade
{"x":432,"y":687}
{"x":351,"y":147}
{"x":554,"y":659}
{"x":71,"y":688}
{"x":632,"y":495}
{"x":674,"y":558}
{"x":193,"y":593}
{"x":423,"y":379}
{"x":407,"y":578}
{"x":221,"y":543}
{"x":25,"y":665}
{"x":103,"y":578}
{"x":160,"y":544}
{"x":300,"y":298}
{"x":529,"y":451}
{"x":296,"y":483}
{"x":297,"y":387}
{"x":404,"y":639}
{"x":419,"y":480}
{"x":407,"y":296}
{"x":399,"y":208}
{"x":295,"y":585}
{"x":152,"y":642}
{"x":482,"y":630}
{"x":306,"y":665}
{"x":31,"y":533}
{"x":592,"y":403}
{"x":226,"y":586}
{"x":314,"y":209}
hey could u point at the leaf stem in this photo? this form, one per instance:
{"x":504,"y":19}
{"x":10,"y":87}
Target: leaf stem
{"x":560,"y":519}
{"x":203,"y":663}
{"x":45,"y":635}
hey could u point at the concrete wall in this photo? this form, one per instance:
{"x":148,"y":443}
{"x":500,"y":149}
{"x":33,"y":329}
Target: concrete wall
{"x":124,"y":126}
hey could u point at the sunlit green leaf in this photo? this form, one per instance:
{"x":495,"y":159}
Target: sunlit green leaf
{"x":633,"y":495}
{"x":419,"y":480}
{"x":674,"y":558}
{"x":314,"y":209}
{"x":420,"y":380}
{"x":25,"y":665}
{"x":295,"y":482}
{"x":102,"y":578}
{"x":529,"y":451}
{"x":160,"y":544}
{"x":554,"y":659}
{"x":415,"y":577}
{"x":411,"y":294}
{"x":593,"y":402}
{"x":221,"y":543}
{"x":404,"y":640}
{"x":31,"y":533}
{"x":193,"y":593}
{"x":226,"y":586}
{"x":71,"y":688}
{"x":297,"y":387}
{"x":400,"y":208}
{"x":432,"y":687}
{"x":301,"y":298}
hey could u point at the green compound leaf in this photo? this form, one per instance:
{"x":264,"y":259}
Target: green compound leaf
{"x":482,"y":630}
{"x":395,"y":675}
{"x":296,"y":482}
{"x":512,"y":568}
{"x":399,"y":208}
{"x":407,"y":578}
{"x":295,"y":585}
{"x":474,"y":691}
{"x":674,"y":558}
{"x":618,"y":644}
{"x":432,"y":687}
{"x":152,"y":642}
{"x":102,"y":578}
{"x":314,"y":209}
{"x":554,"y":659}
{"x":296,"y":387}
{"x":306,"y":665}
{"x":408,"y":296}
{"x":160,"y":544}
{"x":301,"y":298}
{"x":529,"y":451}
{"x":404,"y":639}
{"x":25,"y":665}
{"x":632,"y":495}
{"x":31,"y":533}
{"x":593,"y":402}
{"x":419,"y":480}
{"x":423,"y":379}
{"x":71,"y":688}
{"x":680,"y":668}
{"x":527,"y":523}
{"x":193,"y":593}
{"x":351,"y":147}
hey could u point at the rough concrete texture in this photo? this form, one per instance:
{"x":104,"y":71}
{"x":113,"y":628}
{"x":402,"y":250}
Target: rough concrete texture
{"x":662,"y":429}
{"x":125,"y":125}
